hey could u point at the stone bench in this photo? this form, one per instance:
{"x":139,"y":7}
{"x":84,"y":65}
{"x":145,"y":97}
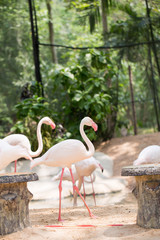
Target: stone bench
{"x":14,"y":201}
{"x":147,"y":193}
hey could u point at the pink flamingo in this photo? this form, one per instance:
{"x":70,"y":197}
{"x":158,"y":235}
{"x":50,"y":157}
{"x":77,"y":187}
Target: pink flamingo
{"x":9,"y":153}
{"x":67,"y":152}
{"x":150,"y":154}
{"x":23,"y":141}
{"x":85,"y":168}
{"x":80,"y":171}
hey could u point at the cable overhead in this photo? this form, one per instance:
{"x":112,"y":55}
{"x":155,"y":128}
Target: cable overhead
{"x":101,"y":47}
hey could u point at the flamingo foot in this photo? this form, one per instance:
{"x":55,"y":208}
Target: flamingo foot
{"x":60,"y":219}
{"x":92,"y":215}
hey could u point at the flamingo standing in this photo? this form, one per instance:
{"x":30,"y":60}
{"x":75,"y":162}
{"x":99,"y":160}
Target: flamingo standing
{"x":85,"y":168}
{"x":9,"y":153}
{"x":67,"y":152}
{"x":23,"y":141}
{"x":66,"y":175}
{"x":80,"y":171}
{"x":150,"y":154}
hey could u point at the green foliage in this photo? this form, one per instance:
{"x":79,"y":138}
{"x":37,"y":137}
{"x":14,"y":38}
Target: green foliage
{"x":86,"y":83}
{"x":85,"y":89}
{"x":33,"y":108}
{"x":29,"y":112}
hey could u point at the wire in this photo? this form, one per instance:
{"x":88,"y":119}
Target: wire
{"x":100,"y":47}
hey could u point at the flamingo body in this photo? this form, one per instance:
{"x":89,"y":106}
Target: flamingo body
{"x":150,"y":154}
{"x":18,"y":139}
{"x":87,"y":166}
{"x":80,"y":171}
{"x":67,"y":152}
{"x":9,"y":153}
{"x":63,"y":154}
{"x":67,"y":175}
{"x":23,"y":141}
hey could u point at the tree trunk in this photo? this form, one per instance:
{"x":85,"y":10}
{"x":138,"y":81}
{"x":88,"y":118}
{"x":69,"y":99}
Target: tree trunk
{"x":35,"y":43}
{"x":132,"y":101}
{"x":152,"y":38}
{"x":151,"y":78}
{"x":51,"y":31}
{"x":104,"y":20}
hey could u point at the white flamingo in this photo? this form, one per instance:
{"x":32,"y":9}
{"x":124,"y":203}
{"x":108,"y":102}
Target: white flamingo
{"x":23,"y":141}
{"x":80,"y":171}
{"x":9,"y":153}
{"x":66,"y":175}
{"x":150,"y":154}
{"x":67,"y":152}
{"x":85,"y":168}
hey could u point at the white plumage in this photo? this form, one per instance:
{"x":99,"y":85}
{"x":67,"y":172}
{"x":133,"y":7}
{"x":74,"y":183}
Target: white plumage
{"x":22,"y":141}
{"x":80,"y":171}
{"x":9,"y":153}
{"x":66,"y":175}
{"x":150,"y":154}
{"x":70,"y":151}
{"x":67,"y":152}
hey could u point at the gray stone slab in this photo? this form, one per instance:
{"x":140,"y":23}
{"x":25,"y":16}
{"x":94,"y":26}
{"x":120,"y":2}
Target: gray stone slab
{"x":148,"y":169}
{"x":18,"y":177}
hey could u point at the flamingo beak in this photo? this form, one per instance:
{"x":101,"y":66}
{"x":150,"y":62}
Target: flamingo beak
{"x":94,"y":126}
{"x":53,"y":125}
{"x":102,"y":169}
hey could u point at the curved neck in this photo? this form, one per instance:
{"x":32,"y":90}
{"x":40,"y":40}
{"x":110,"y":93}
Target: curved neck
{"x":40,"y":142}
{"x":90,"y":146}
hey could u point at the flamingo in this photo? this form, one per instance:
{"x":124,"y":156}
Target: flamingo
{"x":66,"y":175}
{"x":150,"y":154}
{"x":80,"y":171}
{"x":85,"y":168}
{"x":23,"y":141}
{"x":9,"y":153}
{"x":67,"y":152}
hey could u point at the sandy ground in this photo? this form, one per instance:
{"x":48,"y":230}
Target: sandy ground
{"x":77,"y":224}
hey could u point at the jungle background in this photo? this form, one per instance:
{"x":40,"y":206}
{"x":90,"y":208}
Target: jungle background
{"x":69,"y":59}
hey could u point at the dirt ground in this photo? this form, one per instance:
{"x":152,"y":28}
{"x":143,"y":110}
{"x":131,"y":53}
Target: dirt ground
{"x":112,"y":222}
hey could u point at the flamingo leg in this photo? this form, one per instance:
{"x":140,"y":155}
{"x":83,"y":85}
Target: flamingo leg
{"x":79,"y":187}
{"x":84,"y":193}
{"x":77,"y":190}
{"x":93,"y":190}
{"x":60,"y":190}
{"x":15,"y":166}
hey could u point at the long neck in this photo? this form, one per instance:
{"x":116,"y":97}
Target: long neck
{"x":90,"y":146}
{"x":40,"y":142}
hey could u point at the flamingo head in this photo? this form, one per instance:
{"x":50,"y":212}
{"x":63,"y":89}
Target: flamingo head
{"x":100,"y":166}
{"x":89,"y":122}
{"x":48,"y":121}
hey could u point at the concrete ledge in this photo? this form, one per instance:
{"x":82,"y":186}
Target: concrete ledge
{"x":14,"y":201}
{"x":141,"y":170}
{"x":18,"y":177}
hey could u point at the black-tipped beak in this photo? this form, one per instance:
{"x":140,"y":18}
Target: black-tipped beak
{"x":102,"y":169}
{"x":53,"y":130}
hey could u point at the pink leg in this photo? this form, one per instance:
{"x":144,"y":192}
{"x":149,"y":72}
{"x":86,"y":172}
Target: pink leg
{"x":93,"y":190}
{"x":84,"y":193}
{"x":60,"y":190}
{"x":77,"y":190}
{"x":15,"y":166}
